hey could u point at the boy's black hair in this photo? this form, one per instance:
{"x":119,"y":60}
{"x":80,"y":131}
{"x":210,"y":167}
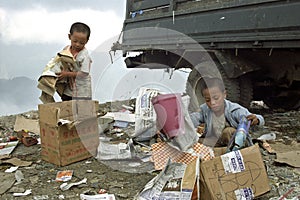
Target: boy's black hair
{"x":207,"y":82}
{"x":80,"y":27}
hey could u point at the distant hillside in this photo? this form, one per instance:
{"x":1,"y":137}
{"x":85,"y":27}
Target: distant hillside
{"x":19,"y":94}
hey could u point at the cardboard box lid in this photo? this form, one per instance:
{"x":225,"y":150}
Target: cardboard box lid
{"x":51,"y":113}
{"x":246,"y":173}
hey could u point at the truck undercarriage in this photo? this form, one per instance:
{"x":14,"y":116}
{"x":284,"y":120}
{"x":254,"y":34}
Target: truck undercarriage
{"x":254,"y":46}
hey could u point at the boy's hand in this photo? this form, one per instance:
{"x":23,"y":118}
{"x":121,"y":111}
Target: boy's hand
{"x":253,"y":118}
{"x":200,"y":129}
{"x":62,"y":74}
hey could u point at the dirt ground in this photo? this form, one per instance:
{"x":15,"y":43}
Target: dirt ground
{"x":120,"y":178}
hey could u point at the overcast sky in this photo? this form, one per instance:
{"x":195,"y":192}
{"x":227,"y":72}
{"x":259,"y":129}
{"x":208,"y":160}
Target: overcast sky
{"x":33,"y":31}
{"x":47,"y":22}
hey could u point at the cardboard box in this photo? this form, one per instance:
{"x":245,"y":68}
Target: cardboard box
{"x":74,"y":140}
{"x":235,"y":175}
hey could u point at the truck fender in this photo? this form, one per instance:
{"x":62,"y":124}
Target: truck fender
{"x":233,"y":65}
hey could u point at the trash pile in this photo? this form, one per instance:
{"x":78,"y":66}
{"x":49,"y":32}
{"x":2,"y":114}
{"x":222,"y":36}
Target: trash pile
{"x":152,"y":151}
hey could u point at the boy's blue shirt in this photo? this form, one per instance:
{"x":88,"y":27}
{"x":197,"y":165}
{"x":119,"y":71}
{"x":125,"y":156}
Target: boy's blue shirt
{"x":233,"y":114}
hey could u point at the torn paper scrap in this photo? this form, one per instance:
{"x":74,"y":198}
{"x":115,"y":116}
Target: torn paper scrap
{"x":11,"y":169}
{"x":63,"y":176}
{"x":27,"y":192}
{"x":66,"y":186}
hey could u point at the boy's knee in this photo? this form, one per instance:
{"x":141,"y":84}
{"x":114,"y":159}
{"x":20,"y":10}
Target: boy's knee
{"x":229,"y":131}
{"x":226,"y":135}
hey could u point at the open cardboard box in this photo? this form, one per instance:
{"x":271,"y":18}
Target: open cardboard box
{"x":235,"y":175}
{"x":74,"y":140}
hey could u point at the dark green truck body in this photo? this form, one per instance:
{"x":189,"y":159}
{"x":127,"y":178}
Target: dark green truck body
{"x":255,"y":44}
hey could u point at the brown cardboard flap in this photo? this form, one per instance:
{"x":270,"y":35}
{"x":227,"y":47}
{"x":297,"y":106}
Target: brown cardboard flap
{"x":51,"y":113}
{"x":31,"y":125}
{"x":291,"y":158}
{"x":189,"y":179}
{"x":86,"y":109}
{"x":48,"y":114}
{"x":218,"y":151}
{"x":247,"y":175}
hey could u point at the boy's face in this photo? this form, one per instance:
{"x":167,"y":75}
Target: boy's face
{"x":78,"y":40}
{"x":214,"y":99}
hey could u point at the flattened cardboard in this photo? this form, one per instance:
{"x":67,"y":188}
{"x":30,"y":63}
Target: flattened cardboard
{"x":291,"y":158}
{"x":65,"y":144}
{"x":215,"y":183}
{"x":31,"y":125}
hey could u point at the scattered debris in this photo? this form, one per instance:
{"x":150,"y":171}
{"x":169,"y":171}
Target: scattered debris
{"x":145,"y":116}
{"x":41,"y":197}
{"x":7,"y":148}
{"x":64,"y":176}
{"x":279,"y":142}
{"x":27,"y":192}
{"x":67,"y":186}
{"x":267,"y":137}
{"x":11,"y":169}
{"x":7,"y":181}
{"x":19,"y":176}
{"x":175,"y":181}
{"x":97,"y":197}
{"x":267,"y":147}
{"x":17,"y":162}
{"x":27,"y":138}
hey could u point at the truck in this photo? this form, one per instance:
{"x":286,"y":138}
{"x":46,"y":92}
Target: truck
{"x":253,"y":45}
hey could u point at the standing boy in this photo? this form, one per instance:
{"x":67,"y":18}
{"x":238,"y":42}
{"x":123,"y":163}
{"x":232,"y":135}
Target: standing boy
{"x":79,"y":80}
{"x":220,"y":116}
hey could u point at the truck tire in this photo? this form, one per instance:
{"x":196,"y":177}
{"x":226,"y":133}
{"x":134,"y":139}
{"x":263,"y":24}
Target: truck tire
{"x":246,"y":91}
{"x":206,"y":69}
